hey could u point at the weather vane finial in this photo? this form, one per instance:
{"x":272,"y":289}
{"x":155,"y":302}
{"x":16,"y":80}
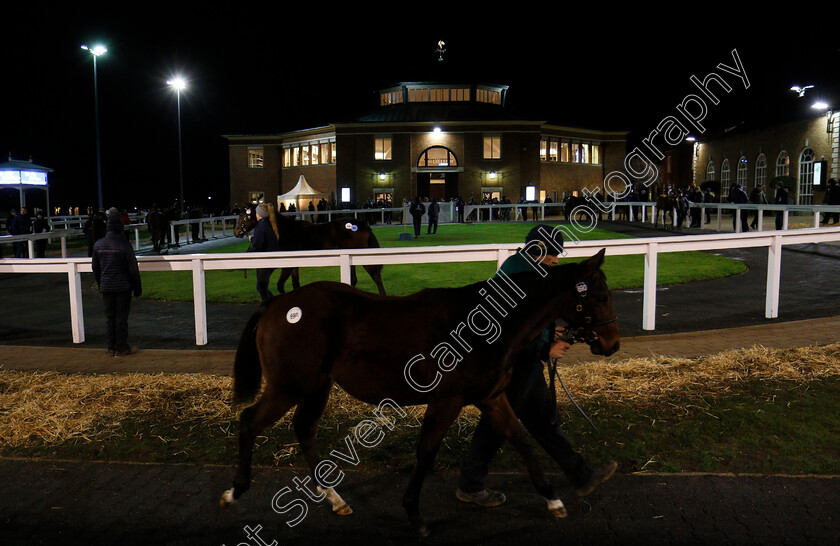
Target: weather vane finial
{"x":440,"y":51}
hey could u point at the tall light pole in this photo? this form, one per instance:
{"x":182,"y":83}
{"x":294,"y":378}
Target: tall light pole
{"x":178,"y":84}
{"x":96,"y":52}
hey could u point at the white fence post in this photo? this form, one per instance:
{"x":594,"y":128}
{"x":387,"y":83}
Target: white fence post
{"x":774,"y":275}
{"x":77,"y":315}
{"x":649,"y":295}
{"x":199,"y":302}
{"x":344,"y":266}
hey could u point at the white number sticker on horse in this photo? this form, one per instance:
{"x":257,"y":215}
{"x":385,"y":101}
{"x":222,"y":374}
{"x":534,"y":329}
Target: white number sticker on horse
{"x":351,"y":226}
{"x":293,"y":315}
{"x":582,"y":288}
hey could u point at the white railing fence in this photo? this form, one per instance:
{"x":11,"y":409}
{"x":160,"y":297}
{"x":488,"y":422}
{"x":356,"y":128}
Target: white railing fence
{"x":199,"y":264}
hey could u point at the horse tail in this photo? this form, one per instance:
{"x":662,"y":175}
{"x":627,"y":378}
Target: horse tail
{"x":247,"y":372}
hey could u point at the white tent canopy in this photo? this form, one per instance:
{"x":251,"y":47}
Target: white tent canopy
{"x":301,"y":191}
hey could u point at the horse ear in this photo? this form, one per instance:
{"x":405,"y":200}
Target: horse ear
{"x":596,"y":261}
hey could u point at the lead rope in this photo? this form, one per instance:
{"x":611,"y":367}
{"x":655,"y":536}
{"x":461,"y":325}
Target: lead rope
{"x":569,"y":394}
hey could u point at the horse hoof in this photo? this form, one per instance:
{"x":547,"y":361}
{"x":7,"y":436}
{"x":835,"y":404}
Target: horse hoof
{"x":556,"y":507}
{"x":227,"y":499}
{"x":344,"y":510}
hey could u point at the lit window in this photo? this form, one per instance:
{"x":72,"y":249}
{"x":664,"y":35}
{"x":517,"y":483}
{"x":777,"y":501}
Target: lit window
{"x":492,"y":147}
{"x":316,"y":154}
{"x":564,"y":152}
{"x":325,"y":153}
{"x":596,"y":153}
{"x":255,"y":158}
{"x":304,"y":155}
{"x":783,"y":164}
{"x":295,"y":156}
{"x":287,"y":157}
{"x":382,"y":149}
{"x":552,"y":150}
{"x":584,"y":153}
{"x":543,"y":149}
{"x":575,"y":152}
{"x":761,"y":171}
{"x":332,"y":152}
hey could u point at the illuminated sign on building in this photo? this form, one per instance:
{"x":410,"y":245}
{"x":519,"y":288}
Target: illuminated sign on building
{"x":31,"y":178}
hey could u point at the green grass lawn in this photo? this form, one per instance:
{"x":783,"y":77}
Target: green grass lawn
{"x":622,"y":271}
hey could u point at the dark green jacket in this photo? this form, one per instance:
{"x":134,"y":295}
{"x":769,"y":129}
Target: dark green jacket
{"x":538,"y":347}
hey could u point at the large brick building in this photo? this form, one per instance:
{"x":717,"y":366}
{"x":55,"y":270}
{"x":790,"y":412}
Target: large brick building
{"x":427,"y":140}
{"x":804,"y":151}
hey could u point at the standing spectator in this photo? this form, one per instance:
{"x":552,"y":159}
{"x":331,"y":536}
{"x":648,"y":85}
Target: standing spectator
{"x":434,"y":211}
{"x":708,"y":197}
{"x":781,"y":199}
{"x":126,"y":221}
{"x":682,"y":208}
{"x":738,"y":196}
{"x":115,"y":270}
{"x":695,"y":196}
{"x":757,"y":197}
{"x":832,"y":197}
{"x":459,"y":209}
{"x":10,"y":220}
{"x":22,"y":225}
{"x":40,"y":225}
{"x":265,"y":239}
{"x":417,"y":210}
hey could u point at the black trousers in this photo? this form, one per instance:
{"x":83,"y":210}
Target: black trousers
{"x":263,"y":277}
{"x":418,"y":222}
{"x":432,"y":225}
{"x":530,"y":398}
{"x":117,"y":307}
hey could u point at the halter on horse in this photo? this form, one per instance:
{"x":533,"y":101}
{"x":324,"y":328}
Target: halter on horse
{"x":305,"y":341}
{"x":300,"y":235}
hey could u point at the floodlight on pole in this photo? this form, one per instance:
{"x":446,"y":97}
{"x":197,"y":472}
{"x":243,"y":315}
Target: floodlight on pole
{"x":179,"y":84}
{"x":96,"y":51}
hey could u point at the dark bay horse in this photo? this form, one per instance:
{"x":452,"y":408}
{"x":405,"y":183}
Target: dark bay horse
{"x":300,"y":235}
{"x":446,"y":348}
{"x":159,"y":223}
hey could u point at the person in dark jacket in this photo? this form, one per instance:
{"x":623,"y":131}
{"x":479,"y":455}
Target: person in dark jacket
{"x":22,"y":225}
{"x":264,"y":239}
{"x":780,"y":199}
{"x":417,"y":210}
{"x":40,"y":225}
{"x":434,"y":212}
{"x":832,"y":197}
{"x":118,"y":276}
{"x":530,"y":397}
{"x":738,"y":196}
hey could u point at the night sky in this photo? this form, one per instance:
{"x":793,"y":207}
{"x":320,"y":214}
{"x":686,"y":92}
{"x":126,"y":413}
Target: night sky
{"x":253,"y":70}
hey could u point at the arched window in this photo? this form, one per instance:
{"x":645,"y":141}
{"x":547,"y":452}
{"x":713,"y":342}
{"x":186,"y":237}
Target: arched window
{"x":805,"y":193}
{"x":741,"y":176}
{"x":437,"y":156}
{"x":783,"y":164}
{"x":710,"y":170}
{"x":761,"y":171}
{"x":725,"y":180}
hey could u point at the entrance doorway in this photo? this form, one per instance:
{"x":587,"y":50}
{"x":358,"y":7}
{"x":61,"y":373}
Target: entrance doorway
{"x":441,"y":185}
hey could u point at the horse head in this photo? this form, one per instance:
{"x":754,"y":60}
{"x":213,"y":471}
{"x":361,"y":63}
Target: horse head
{"x":244,"y":224}
{"x":591,"y":317}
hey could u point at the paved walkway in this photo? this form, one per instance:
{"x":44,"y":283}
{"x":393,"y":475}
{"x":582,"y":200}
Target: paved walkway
{"x":72,"y":502}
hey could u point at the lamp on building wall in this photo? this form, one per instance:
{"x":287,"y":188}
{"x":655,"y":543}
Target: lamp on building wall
{"x":492,"y":175}
{"x":829,"y":114}
{"x":382,"y":175}
{"x":96,"y":52}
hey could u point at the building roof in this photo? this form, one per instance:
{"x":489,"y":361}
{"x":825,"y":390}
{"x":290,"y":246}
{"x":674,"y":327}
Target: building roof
{"x":418,"y":112}
{"x":20,"y":165}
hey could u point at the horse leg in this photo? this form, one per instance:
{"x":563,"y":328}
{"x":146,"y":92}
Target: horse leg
{"x":253,"y":420}
{"x":305,"y":423}
{"x":281,"y":282}
{"x":375,"y":272}
{"x":353,"y":278}
{"x":439,"y":417}
{"x":503,"y":419}
{"x":295,"y":278}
